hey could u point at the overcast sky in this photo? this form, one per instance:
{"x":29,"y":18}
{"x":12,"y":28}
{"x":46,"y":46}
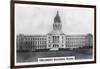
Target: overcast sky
{"x":33,"y":19}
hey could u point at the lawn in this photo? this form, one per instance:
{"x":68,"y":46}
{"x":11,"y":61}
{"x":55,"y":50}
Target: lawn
{"x":33,"y":56}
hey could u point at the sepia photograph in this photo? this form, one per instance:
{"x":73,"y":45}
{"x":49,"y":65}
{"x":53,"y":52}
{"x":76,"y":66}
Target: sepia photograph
{"x":52,"y":34}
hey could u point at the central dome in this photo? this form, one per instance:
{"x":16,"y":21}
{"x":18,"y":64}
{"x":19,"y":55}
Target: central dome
{"x":57,"y":18}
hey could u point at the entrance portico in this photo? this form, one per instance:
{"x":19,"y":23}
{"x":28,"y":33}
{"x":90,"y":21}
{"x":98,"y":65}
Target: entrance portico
{"x":55,"y":43}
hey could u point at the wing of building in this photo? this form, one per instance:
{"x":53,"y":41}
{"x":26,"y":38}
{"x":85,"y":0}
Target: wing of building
{"x":55,"y":40}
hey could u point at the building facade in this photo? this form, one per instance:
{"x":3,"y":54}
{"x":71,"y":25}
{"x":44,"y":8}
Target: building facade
{"x":54,"y":40}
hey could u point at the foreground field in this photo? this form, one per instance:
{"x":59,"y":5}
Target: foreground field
{"x":33,"y":56}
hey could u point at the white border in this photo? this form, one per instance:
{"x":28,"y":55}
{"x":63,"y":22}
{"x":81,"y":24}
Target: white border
{"x":36,"y":63}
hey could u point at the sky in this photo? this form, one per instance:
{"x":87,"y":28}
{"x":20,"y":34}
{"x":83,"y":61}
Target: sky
{"x":39,"y":19}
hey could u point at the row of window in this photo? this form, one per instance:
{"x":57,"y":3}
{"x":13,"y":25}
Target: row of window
{"x":42,"y":46}
{"x":75,"y":39}
{"x":75,"y":45}
{"x":35,"y":39}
